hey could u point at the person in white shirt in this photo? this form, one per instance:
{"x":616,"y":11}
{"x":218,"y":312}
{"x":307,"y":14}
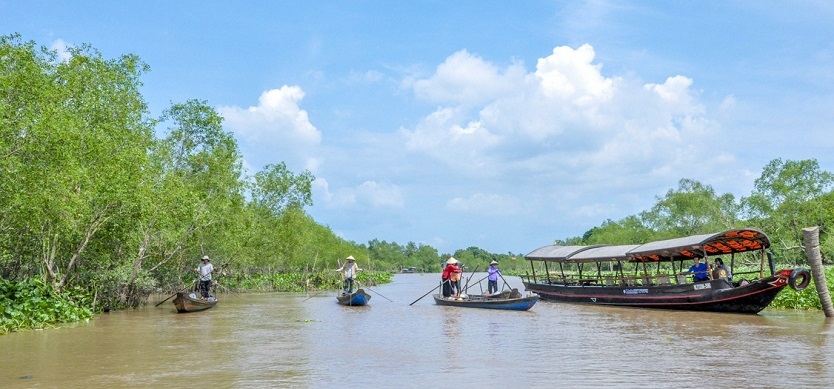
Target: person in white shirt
{"x":204,"y":270}
{"x":349,"y":270}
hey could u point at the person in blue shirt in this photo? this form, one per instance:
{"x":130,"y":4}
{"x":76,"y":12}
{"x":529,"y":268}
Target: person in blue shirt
{"x":699,"y":271}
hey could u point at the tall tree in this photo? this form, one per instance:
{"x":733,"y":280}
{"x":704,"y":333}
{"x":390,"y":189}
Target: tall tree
{"x":788,"y":196}
{"x":692,"y":208}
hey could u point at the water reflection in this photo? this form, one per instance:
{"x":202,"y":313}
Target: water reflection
{"x":288,"y":340}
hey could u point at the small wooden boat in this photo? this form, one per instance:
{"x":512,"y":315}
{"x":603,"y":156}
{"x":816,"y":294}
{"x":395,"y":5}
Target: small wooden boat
{"x":353,"y":299}
{"x":189,"y":302}
{"x":510,"y":300}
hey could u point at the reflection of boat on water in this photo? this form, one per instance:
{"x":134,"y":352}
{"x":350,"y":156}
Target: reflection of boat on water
{"x":189,"y":302}
{"x":599,"y":274}
{"x":411,"y":269}
{"x":354,"y":299}
{"x":508,"y":300}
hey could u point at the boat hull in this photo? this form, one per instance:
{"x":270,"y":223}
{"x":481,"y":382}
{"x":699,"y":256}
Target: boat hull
{"x":357,"y":298}
{"x":515,"y":302}
{"x":185,"y":303}
{"x":712,"y":296}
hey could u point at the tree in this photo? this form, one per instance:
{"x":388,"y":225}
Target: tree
{"x":789,"y":196}
{"x":75,"y":135}
{"x":693,"y":208}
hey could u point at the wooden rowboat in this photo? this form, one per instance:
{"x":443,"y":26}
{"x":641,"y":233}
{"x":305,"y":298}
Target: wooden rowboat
{"x":353,"y":299}
{"x":189,"y":302}
{"x":508,"y":300}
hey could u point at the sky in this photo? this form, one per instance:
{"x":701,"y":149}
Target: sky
{"x":502,"y":125}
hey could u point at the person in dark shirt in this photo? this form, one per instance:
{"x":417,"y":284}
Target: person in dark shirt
{"x":721,"y":270}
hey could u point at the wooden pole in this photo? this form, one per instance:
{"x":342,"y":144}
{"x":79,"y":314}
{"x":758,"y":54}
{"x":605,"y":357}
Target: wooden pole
{"x":812,"y":251}
{"x":427,"y":293}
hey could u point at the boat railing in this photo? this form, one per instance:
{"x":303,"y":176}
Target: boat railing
{"x":568,"y":279}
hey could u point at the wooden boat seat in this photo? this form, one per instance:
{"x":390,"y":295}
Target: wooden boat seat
{"x":609,"y":281}
{"x":681,"y":278}
{"x":663,"y":279}
{"x":647,"y":281}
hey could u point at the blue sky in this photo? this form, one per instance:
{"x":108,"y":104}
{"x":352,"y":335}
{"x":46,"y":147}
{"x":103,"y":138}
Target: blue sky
{"x":501,"y":125}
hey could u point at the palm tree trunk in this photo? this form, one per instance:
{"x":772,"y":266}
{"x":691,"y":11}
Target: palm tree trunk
{"x":812,"y":251}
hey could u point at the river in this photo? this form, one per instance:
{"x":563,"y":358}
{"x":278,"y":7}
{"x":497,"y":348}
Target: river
{"x":293,"y":340}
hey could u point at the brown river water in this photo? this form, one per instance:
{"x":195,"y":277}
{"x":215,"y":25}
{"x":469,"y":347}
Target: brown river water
{"x":293,"y":340}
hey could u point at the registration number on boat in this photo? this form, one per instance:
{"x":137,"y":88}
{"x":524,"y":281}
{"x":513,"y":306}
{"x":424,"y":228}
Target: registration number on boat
{"x":635,"y":291}
{"x":702,"y":286}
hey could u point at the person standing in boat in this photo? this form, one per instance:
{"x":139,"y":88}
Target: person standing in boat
{"x":721,"y":270}
{"x":492,"y":277}
{"x":698,"y":270}
{"x":349,"y":270}
{"x":204,"y":271}
{"x":451,"y":278}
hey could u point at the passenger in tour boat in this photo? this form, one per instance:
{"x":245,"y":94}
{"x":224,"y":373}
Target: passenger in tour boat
{"x":721,"y":270}
{"x":699,"y":270}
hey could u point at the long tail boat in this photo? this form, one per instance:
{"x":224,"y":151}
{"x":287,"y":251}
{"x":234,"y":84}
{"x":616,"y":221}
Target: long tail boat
{"x":357,"y":298}
{"x":654,"y":275}
{"x":509,"y":300}
{"x":189,"y":302}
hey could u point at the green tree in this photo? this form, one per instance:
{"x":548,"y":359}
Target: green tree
{"x":788,"y":196}
{"x":693,"y":208}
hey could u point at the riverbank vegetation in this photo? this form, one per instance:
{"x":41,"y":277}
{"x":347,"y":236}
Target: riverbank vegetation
{"x":105,"y":204}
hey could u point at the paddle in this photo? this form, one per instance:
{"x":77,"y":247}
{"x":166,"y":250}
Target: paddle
{"x":169,"y":297}
{"x":175,"y":293}
{"x":466,"y":289}
{"x":427,"y":293}
{"x":366,"y":287}
{"x":230,"y":291}
{"x":505,"y":281}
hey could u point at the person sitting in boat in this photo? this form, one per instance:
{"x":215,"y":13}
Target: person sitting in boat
{"x":204,"y":270}
{"x":450,"y":277}
{"x":721,"y":270}
{"x":349,"y":270}
{"x":699,"y":270}
{"x":492,"y":277}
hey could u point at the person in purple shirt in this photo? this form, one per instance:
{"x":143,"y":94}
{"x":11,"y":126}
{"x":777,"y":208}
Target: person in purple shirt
{"x":492,"y":277}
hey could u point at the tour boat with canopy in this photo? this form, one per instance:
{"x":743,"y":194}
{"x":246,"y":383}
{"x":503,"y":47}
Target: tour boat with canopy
{"x":653,"y":275}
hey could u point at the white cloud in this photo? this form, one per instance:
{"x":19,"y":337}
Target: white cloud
{"x":566,"y":116}
{"x":60,"y":47}
{"x":467,"y":79}
{"x":368,"y":194}
{"x":277,"y":129}
{"x":570,"y":74}
{"x":485,"y":204}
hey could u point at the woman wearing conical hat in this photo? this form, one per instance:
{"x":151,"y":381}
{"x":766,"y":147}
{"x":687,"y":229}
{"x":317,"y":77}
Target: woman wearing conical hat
{"x":349,"y":270}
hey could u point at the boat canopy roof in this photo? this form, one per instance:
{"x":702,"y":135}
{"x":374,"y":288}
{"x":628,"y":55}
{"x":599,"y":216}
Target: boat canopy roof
{"x":728,"y":242}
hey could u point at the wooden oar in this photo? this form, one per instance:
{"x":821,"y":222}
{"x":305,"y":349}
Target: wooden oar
{"x":427,"y":293}
{"x":466,"y":287}
{"x":479,"y":281}
{"x":169,"y":297}
{"x":366,"y":287}
{"x":230,"y":291}
{"x":505,"y":281}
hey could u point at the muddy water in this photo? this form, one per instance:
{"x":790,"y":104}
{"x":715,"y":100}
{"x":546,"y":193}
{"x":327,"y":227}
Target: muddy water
{"x":309,"y":341}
